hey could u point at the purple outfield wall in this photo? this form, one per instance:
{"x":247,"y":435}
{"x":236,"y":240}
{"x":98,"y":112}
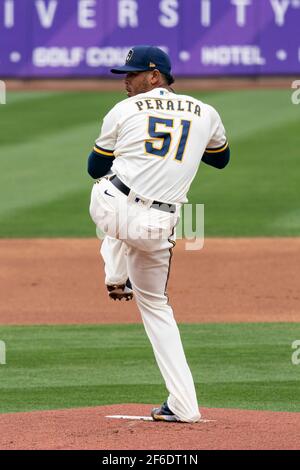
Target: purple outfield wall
{"x":57,"y":38}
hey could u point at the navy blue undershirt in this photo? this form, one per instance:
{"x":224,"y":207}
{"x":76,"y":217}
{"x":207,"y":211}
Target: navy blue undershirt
{"x":99,"y":166}
{"x":218,"y":160}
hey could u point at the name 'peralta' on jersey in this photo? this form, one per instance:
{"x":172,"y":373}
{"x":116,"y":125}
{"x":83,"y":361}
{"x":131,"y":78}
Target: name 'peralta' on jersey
{"x":158,"y":139}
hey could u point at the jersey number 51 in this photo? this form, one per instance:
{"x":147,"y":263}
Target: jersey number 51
{"x":164,"y":138}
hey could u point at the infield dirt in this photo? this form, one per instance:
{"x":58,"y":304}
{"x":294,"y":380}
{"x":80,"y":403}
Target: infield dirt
{"x":61,"y":281}
{"x":181,"y":84}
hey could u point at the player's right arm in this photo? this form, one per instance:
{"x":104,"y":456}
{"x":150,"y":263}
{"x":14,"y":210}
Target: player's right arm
{"x":217,"y":153}
{"x":101,"y":158}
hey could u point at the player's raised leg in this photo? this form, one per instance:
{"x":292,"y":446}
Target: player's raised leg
{"x":114,"y":253}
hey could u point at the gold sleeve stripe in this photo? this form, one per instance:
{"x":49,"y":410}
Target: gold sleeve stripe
{"x":103,"y":152}
{"x":218,"y":150}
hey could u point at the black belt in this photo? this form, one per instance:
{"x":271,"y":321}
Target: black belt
{"x":161,"y":206}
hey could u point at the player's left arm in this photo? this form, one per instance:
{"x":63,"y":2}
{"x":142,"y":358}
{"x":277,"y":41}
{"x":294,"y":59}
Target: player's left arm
{"x":102,"y":156}
{"x":217,"y":153}
{"x":100,"y":162}
{"x":218,"y":157}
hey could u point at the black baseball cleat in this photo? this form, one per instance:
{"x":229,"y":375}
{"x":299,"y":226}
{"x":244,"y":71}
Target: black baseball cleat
{"x":164,"y":414}
{"x":121,"y":291}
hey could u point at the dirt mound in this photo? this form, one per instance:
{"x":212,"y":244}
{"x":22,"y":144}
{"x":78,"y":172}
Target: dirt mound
{"x":89,"y":428}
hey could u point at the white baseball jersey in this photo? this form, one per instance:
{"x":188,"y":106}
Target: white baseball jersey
{"x":158,"y":139}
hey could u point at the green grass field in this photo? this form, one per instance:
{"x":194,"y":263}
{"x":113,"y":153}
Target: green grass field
{"x":46,"y":138}
{"x":45,"y":189}
{"x":241,"y":366}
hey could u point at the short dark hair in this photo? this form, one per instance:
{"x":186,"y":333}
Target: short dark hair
{"x":168,"y":78}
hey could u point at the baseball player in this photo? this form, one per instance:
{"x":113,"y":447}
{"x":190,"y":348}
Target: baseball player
{"x":145,"y":159}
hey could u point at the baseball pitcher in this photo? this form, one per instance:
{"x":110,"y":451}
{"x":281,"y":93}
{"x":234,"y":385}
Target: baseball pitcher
{"x":145,"y":159}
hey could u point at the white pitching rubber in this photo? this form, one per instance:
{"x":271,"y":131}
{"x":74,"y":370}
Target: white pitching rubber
{"x":148,"y":418}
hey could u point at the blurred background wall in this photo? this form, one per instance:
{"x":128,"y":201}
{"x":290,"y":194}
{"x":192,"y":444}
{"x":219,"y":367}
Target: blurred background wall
{"x":85,"y":38}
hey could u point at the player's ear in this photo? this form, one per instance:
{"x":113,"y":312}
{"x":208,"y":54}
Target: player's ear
{"x":155,"y":77}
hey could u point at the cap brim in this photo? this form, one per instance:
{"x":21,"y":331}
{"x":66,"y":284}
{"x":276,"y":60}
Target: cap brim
{"x":128,"y":68}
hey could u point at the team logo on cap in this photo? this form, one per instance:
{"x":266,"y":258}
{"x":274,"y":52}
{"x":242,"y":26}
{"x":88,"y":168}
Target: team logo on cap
{"x":129,"y":56}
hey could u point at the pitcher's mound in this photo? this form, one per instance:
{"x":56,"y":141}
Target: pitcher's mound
{"x":89,"y":428}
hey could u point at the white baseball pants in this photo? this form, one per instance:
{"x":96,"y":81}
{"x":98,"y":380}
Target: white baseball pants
{"x":146,"y":261}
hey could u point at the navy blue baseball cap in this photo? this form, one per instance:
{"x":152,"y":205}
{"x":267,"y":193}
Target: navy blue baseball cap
{"x":146,"y":58}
